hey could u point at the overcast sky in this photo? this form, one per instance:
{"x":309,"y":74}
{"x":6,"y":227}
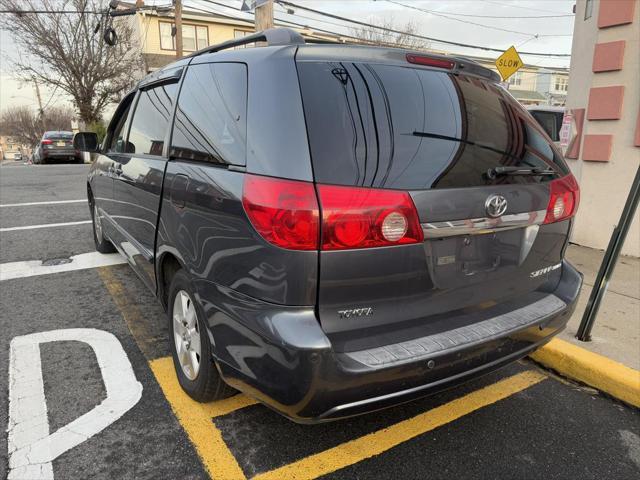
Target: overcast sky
{"x":548,"y":35}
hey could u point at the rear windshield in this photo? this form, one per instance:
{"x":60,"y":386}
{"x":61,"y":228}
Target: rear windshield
{"x":408,"y":128}
{"x":59,"y":135}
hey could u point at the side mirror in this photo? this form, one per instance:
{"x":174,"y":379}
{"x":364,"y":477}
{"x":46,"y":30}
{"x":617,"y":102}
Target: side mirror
{"x":85,"y":141}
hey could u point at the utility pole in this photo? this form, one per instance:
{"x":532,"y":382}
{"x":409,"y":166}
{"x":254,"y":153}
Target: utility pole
{"x":177,"y":11}
{"x":40,"y":109}
{"x":264,"y":15}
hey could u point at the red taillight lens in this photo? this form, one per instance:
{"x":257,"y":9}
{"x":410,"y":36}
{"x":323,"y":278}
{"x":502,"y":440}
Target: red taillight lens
{"x":430,"y":61}
{"x":47,"y":142}
{"x":563,"y":200}
{"x":366,"y":217}
{"x":284,"y":212}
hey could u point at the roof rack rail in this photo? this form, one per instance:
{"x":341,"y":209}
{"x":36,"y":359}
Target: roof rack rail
{"x":272,"y":36}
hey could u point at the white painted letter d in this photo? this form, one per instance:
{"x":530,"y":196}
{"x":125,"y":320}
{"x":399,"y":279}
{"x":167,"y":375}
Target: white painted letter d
{"x":31,"y":447}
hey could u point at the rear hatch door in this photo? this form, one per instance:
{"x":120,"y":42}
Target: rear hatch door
{"x":436,"y":135}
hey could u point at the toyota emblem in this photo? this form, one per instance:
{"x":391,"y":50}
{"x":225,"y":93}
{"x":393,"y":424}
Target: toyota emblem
{"x":495,"y":205}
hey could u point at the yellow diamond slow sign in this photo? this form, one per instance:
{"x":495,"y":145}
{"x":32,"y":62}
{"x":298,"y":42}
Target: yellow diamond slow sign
{"x":509,"y":63}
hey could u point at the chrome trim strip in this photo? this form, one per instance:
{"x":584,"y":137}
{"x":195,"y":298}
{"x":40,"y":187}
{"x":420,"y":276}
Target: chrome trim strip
{"x":475,"y":226}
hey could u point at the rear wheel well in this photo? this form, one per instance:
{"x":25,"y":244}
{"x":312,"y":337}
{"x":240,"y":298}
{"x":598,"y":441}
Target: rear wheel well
{"x":89,"y":194}
{"x":168,"y":267}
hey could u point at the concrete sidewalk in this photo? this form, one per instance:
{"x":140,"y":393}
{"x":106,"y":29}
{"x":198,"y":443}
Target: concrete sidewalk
{"x":616,"y":333}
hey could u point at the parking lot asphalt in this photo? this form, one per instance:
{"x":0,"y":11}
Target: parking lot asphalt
{"x":519,"y":422}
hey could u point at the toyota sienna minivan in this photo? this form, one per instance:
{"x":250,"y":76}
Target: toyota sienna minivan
{"x":334,"y":229}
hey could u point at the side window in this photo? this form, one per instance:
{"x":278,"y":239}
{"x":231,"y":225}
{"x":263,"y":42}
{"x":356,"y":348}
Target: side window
{"x":211,"y":118}
{"x":117,"y":141}
{"x":151,"y":119}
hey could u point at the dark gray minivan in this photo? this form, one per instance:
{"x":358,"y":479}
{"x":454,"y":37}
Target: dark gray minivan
{"x":334,"y":229}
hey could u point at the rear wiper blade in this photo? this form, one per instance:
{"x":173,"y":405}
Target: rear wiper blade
{"x":498,"y":171}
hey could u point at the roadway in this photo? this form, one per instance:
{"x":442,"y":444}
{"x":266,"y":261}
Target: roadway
{"x":519,"y":422}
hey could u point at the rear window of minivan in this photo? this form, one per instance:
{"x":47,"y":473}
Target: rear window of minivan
{"x":409,"y":128}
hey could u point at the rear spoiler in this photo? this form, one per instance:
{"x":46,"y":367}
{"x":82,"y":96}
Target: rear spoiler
{"x":469,"y":66}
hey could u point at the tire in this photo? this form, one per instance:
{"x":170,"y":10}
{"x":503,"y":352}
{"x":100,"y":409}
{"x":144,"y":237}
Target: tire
{"x":197,"y":373}
{"x":102,"y":244}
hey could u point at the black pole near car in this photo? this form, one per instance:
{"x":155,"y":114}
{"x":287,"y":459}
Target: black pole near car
{"x":609,"y":261}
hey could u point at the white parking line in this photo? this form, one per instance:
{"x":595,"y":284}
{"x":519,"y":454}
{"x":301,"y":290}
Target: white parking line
{"x":31,"y":446}
{"x":54,"y":202}
{"x":44,"y":225}
{"x":31,"y":268}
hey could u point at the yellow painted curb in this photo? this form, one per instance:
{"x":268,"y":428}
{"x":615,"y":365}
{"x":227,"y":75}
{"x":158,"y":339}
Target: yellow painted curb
{"x":595,"y":370}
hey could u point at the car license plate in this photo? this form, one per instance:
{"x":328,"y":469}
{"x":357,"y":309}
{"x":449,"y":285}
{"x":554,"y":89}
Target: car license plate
{"x":60,"y":144}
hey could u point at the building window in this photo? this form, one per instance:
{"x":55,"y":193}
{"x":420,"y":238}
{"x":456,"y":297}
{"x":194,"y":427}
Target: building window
{"x":167,"y":41}
{"x":194,"y":37}
{"x":515,"y":80}
{"x":588,"y":9}
{"x":237,"y":34}
{"x":202,"y":37}
{"x":561,"y":84}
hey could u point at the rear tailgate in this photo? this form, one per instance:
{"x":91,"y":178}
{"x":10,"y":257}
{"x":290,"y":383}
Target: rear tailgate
{"x":435,"y":135}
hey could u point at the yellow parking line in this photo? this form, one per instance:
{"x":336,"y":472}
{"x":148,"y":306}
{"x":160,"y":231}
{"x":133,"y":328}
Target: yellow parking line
{"x":129,"y":310}
{"x":197,"y":420}
{"x":375,"y":443}
{"x":218,"y":460}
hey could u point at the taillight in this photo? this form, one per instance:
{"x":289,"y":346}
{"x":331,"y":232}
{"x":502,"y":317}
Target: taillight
{"x":47,"y":142}
{"x":365,"y":217}
{"x":563,"y":199}
{"x":284,"y":212}
{"x":430,"y":61}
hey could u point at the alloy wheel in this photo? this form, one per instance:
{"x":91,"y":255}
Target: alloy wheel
{"x":186,"y":335}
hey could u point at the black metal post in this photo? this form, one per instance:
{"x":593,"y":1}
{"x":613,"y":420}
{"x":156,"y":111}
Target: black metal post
{"x":609,"y":260}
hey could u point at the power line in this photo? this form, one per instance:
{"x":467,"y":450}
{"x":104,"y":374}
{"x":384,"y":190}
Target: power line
{"x":301,"y":25}
{"x":315,"y":29}
{"x":482,"y":16}
{"x":448,"y":17}
{"x":61,"y":12}
{"x":447,"y":42}
{"x":281,"y":20}
{"x":521,"y":7}
{"x":328,"y":22}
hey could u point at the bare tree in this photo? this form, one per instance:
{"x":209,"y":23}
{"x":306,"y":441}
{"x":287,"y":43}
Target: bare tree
{"x":63,"y":52}
{"x":26,"y":127}
{"x":382,"y":35}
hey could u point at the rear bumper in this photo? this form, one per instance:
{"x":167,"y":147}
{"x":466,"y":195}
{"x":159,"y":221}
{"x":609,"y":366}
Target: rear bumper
{"x":60,"y":154}
{"x":288,"y":363}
